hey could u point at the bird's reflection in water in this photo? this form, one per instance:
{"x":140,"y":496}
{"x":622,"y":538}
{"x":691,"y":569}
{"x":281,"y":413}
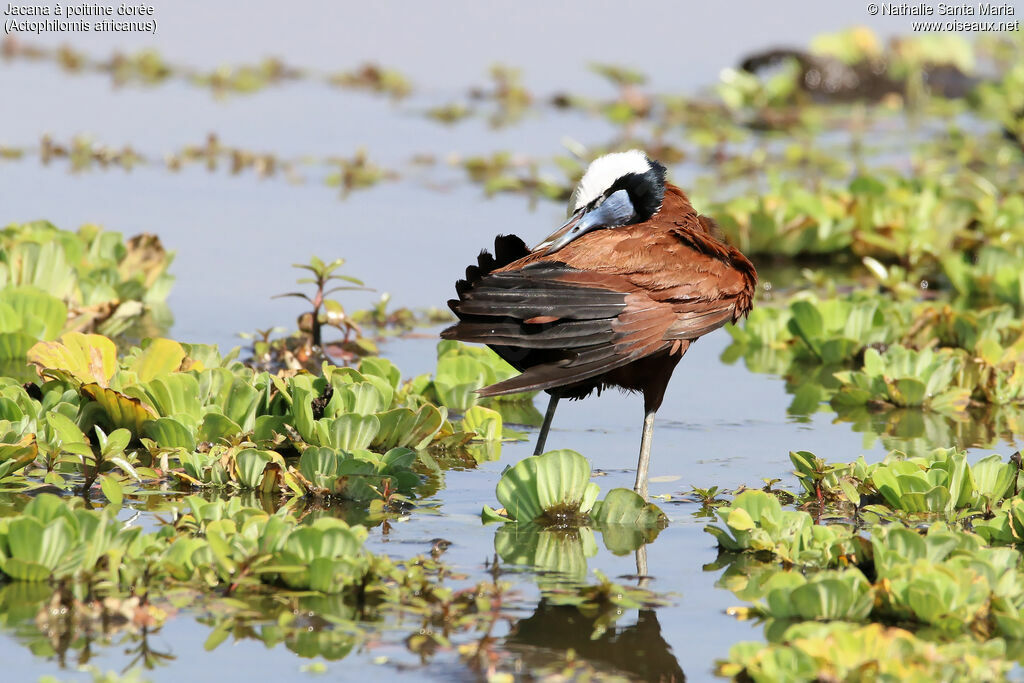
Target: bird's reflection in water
{"x":638,"y":651}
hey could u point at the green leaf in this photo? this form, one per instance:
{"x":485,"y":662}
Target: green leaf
{"x":832,"y":595}
{"x":112,"y":489}
{"x":362,"y":398}
{"x":403,"y":427}
{"x":555,"y":485}
{"x":15,"y":345}
{"x":301,"y":391}
{"x":216,"y":427}
{"x":10,"y":320}
{"x":236,"y":398}
{"x":115,"y":443}
{"x":850,"y":491}
{"x":489,"y":514}
{"x":89,"y":358}
{"x":122,"y":411}
{"x":42,"y":316}
{"x":807,"y":324}
{"x":740,"y":520}
{"x":218,"y":635}
{"x":175,"y":395}
{"x":320,"y":466}
{"x":18,"y":455}
{"x":907,"y":391}
{"x":170,"y":433}
{"x":23,"y":570}
{"x":383,"y":368}
{"x":70,"y":437}
{"x":267,"y":426}
{"x":624,"y":506}
{"x":353,"y":431}
{"x":159,"y":357}
{"x":251,"y":464}
{"x":485,"y":423}
{"x":839,"y":350}
{"x":34,"y":543}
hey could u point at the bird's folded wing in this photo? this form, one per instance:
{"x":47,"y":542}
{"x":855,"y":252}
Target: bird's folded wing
{"x":608,"y":300}
{"x":698,"y":275}
{"x":576,"y":324}
{"x":697,"y":318}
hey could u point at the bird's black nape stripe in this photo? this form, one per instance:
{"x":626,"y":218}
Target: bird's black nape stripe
{"x":646,"y":190}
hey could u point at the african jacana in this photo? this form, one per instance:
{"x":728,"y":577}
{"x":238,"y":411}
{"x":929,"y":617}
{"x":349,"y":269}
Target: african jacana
{"x":613,"y":298}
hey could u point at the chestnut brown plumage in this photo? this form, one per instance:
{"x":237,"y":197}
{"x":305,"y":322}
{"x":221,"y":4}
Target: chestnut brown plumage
{"x":615,"y":307}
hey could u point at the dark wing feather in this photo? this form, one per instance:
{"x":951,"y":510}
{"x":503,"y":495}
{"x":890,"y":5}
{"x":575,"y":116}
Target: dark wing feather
{"x":693,"y":322}
{"x":592,"y":325}
{"x":588,"y":362}
{"x":535,"y":291}
{"x":567,"y":334}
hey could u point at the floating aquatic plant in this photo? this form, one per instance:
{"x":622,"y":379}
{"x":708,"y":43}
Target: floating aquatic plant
{"x":550,"y":511}
{"x":52,"y":540}
{"x":148,"y":67}
{"x":54,"y":280}
{"x":552,"y":489}
{"x":940,"y":482}
{"x":943,"y":584}
{"x":906,"y":378}
{"x":993,"y":273}
{"x":811,"y":651}
{"x":916,"y":373}
{"x":755,"y":522}
{"x":833,"y":595}
{"x":224,"y":424}
{"x":835,"y":330}
{"x":462,"y":369}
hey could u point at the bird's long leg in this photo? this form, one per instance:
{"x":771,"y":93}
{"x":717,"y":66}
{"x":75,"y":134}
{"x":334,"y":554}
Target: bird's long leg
{"x":656,"y":372}
{"x":549,"y":415}
{"x":645,"y":455}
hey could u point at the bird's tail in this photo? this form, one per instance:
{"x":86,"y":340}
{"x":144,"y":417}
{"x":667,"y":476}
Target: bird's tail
{"x":507,"y":248}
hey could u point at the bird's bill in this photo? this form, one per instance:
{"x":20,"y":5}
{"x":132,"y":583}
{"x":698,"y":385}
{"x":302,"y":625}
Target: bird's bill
{"x":565,"y":234}
{"x":617,"y":209}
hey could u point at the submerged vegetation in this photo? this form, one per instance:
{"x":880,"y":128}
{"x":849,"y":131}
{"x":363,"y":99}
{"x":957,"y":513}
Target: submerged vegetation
{"x":892,"y":300}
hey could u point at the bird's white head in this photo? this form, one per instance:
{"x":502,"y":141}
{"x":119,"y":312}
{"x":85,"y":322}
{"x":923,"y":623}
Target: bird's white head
{"x":606,"y":170}
{"x":617,"y":189}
